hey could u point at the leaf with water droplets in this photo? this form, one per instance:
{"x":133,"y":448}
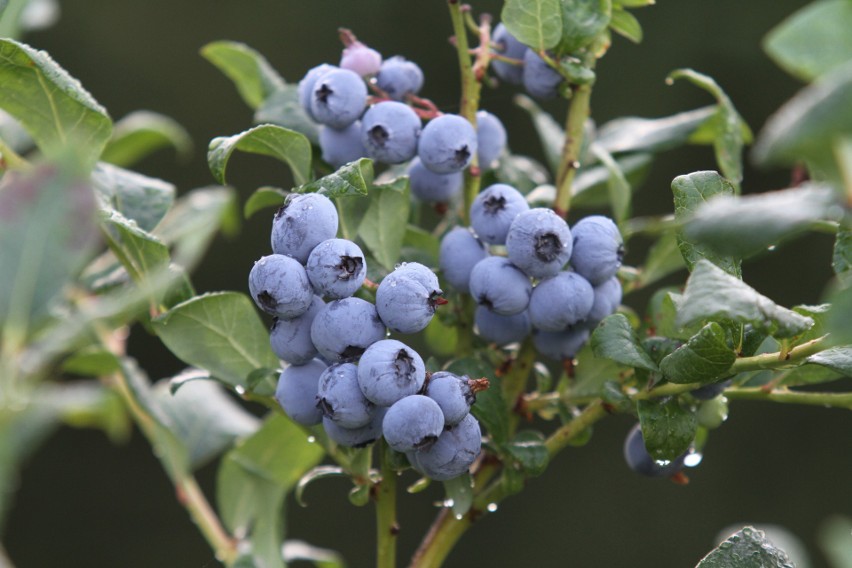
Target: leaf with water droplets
{"x":459,"y":491}
{"x":705,"y":357}
{"x":747,"y":548}
{"x":615,"y":339}
{"x":667,"y":427}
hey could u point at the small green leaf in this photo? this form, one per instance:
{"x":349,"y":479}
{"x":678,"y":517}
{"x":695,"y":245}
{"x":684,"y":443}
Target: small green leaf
{"x":618,"y":185}
{"x":615,"y":339}
{"x":54,"y":108}
{"x":667,"y":427}
{"x":441,"y":338}
{"x":731,"y":131}
{"x":705,"y":357}
{"x":529,"y":449}
{"x":262,"y":198}
{"x":747,"y":548}
{"x":631,"y":133}
{"x":592,"y":185}
{"x":691,"y":191}
{"x":838,"y":359}
{"x":536,"y":23}
{"x":385,"y":221}
{"x":550,"y":133}
{"x":141,"y":253}
{"x":624,"y":23}
{"x":91,"y":361}
{"x":251,"y":73}
{"x":459,"y":492}
{"x":742,"y":226}
{"x":284,"y":109}
{"x":143,"y":199}
{"x":711,"y":294}
{"x":286,"y":145}
{"x":591,"y":373}
{"x":220,"y":333}
{"x":814,"y":40}
{"x":352,"y":179}
{"x":142,"y":133}
{"x":582,"y":22}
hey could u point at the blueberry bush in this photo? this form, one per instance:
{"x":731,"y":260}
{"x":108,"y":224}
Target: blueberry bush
{"x":433,"y":308}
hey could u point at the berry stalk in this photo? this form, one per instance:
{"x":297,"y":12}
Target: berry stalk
{"x":386,"y":525}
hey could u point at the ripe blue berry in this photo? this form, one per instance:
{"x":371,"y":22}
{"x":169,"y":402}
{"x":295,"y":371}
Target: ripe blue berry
{"x":304,"y":221}
{"x":306,"y":85}
{"x":336,"y":268}
{"x":452,"y":454}
{"x":500,"y":286}
{"x":460,"y":251}
{"x":426,"y":185}
{"x":340,"y":398}
{"x":361,"y":59}
{"x":494,"y":209}
{"x":356,"y":437}
{"x":561,"y":345}
{"x":399,"y":77}
{"x":279,"y":286}
{"x":453,"y":394}
{"x":607,"y":300}
{"x":598,"y":248}
{"x":340,"y":147}
{"x":419,"y":272}
{"x":413,"y":422}
{"x":390,"y":370}
{"x":447,"y":144}
{"x":539,"y":242}
{"x":404,"y":304}
{"x":491,"y":138}
{"x":343,"y":329}
{"x":639,"y":460}
{"x":501,"y":330}
{"x":508,"y":46}
{"x":338,"y":98}
{"x":390,"y":131}
{"x":291,"y":339}
{"x":558,"y":302}
{"x":540,"y":79}
{"x":297,"y":392}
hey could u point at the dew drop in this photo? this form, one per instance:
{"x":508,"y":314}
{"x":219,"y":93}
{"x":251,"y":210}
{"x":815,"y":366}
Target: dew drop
{"x":312,"y":440}
{"x":448,"y":503}
{"x":240,"y":390}
{"x":662,"y":463}
{"x":770,"y":248}
{"x":693,"y":458}
{"x":459,"y":517}
{"x":492,"y":507}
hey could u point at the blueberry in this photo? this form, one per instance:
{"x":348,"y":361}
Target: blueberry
{"x":500,"y":286}
{"x":426,"y":185}
{"x":279,"y":286}
{"x":361,"y":59}
{"x":539,"y":242}
{"x":491,"y":138}
{"x":460,"y":251}
{"x":336,"y":268}
{"x":404,"y":304}
{"x":306,"y":85}
{"x":419,"y":272}
{"x":304,"y":221}
{"x":399,"y":77}
{"x":390,"y":131}
{"x":453,"y":394}
{"x":297,"y":392}
{"x":501,"y":330}
{"x":639,"y":460}
{"x":291,"y":339}
{"x":340,"y":147}
{"x":506,"y":45}
{"x":452,"y":454}
{"x":340,"y":398}
{"x":343,"y":329}
{"x":540,"y":79}
{"x":561,"y":301}
{"x":561,"y":345}
{"x":447,"y":144}
{"x":598,"y":248}
{"x":356,"y":437}
{"x":412,"y":422}
{"x":607,"y":300}
{"x":710,"y":391}
{"x":494,"y":209}
{"x":390,"y":370}
{"x":338,"y":98}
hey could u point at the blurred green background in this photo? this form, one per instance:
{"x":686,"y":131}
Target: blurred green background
{"x":84,"y":502}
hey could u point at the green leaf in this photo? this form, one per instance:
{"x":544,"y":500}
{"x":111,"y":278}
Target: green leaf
{"x":705,"y":357}
{"x":582,"y":22}
{"x":420,"y":245}
{"x":550,"y":133}
{"x":352,"y":179}
{"x":383,"y":226}
{"x":143,"y":199}
{"x":54,"y":108}
{"x":91,"y":361}
{"x":624,"y":23}
{"x":284,"y":109}
{"x":631,"y":133}
{"x":833,"y":537}
{"x":691,"y":191}
{"x":841,"y":259}
{"x":521,"y":172}
{"x":441,"y":338}
{"x":618,"y":185}
{"x":262,"y":198}
{"x":742,"y":226}
{"x":813,"y":41}
{"x":667,"y":427}
{"x":731,"y":131}
{"x":807,"y":126}
{"x":528,"y":448}
{"x":536,"y":23}
{"x":714,"y":295}
{"x":838,"y":359}
{"x":253,"y":481}
{"x":203,"y":416}
{"x":591,"y":373}
{"x":48,"y":231}
{"x":251,"y":73}
{"x":142,"y":133}
{"x":592,"y":185}
{"x":615,"y":339}
{"x":286,"y":145}
{"x":141,"y":253}
{"x":747,"y":548}
{"x":220,"y":333}
{"x":662,"y":312}
{"x":663,"y":258}
{"x":459,"y":492}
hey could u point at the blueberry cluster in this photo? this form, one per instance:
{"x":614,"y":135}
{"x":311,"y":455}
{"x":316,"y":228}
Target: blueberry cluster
{"x":521,"y":65}
{"x":343,"y":371}
{"x":388,"y":126}
{"x":529,"y":290}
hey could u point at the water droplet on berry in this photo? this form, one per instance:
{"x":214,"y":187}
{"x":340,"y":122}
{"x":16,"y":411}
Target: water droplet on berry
{"x":693,"y":458}
{"x":492,"y":507}
{"x":311,"y":440}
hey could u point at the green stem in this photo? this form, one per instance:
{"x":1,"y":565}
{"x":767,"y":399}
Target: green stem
{"x":779,"y":360}
{"x":575,"y":123}
{"x":386,"y":526}
{"x":783,"y":395}
{"x":440,"y":540}
{"x":515,"y":381}
{"x":560,"y":438}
